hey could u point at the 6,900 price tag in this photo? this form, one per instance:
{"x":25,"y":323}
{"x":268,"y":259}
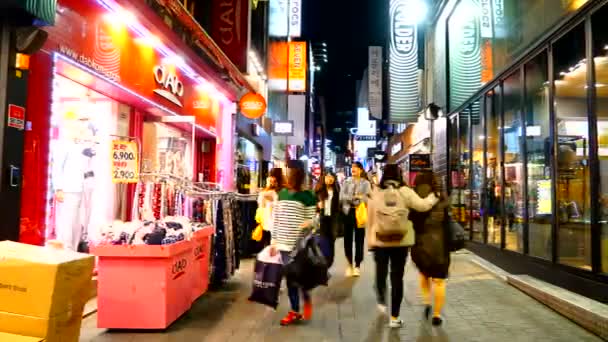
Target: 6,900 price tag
{"x":125,"y":165}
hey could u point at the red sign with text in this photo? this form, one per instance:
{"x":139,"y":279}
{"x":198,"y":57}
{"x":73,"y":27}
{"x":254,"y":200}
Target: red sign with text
{"x":16,"y":117}
{"x":230,"y":29}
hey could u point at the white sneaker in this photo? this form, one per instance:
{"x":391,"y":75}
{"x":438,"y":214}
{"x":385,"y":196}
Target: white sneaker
{"x":382,"y":309}
{"x":349,"y":271}
{"x":357,"y":272}
{"x":395,"y":323}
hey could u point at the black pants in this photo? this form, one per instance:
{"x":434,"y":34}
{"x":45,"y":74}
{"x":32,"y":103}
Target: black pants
{"x":329,"y":239}
{"x":350,"y":231}
{"x":396,"y":257}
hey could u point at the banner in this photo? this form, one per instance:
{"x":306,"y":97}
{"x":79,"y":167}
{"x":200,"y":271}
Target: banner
{"x":375,"y":82}
{"x":281,"y":18}
{"x":278,"y":68}
{"x":297,"y":66}
{"x":230,"y":29}
{"x":125,"y":161}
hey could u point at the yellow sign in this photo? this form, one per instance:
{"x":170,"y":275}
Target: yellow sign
{"x":125,"y":161}
{"x":543,"y":197}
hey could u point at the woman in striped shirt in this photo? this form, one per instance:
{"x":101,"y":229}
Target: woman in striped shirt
{"x":294,"y":211}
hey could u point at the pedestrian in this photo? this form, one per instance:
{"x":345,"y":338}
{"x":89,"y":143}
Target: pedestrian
{"x":266,"y":201}
{"x":431,"y":253}
{"x":390,"y":234}
{"x":294,"y":212}
{"x":328,"y":205}
{"x":355,"y":192}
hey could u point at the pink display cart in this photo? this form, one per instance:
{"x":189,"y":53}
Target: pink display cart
{"x":200,"y":258}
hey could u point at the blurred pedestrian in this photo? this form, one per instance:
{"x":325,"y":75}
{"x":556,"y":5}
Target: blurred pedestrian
{"x":431,"y":253}
{"x":328,"y":204}
{"x":267,"y":199}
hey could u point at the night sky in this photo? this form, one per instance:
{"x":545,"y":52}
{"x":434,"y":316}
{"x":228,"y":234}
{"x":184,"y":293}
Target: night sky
{"x":348,"y":27}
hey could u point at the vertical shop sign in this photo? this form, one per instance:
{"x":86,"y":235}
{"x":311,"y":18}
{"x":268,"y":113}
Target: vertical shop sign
{"x":16,"y":117}
{"x":125,"y":161}
{"x":486,"y":18}
{"x":283,"y":12}
{"x":297,"y":66}
{"x":498,"y":17}
{"x":375,"y":82}
{"x":404,"y":91}
{"x":230,"y":29}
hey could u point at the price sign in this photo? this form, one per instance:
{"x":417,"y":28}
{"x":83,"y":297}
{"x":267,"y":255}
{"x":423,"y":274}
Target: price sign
{"x":125,"y":161}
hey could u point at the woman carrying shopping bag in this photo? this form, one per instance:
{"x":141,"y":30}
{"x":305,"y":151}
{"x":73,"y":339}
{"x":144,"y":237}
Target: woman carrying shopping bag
{"x":328,"y":204}
{"x":390,"y":234}
{"x":294,"y":212}
{"x":353,"y":197}
{"x":431,"y":254}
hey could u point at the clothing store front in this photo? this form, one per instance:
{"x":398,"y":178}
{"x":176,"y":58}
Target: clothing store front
{"x":109,"y":104}
{"x":528,"y":159}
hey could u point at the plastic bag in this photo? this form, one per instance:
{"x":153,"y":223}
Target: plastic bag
{"x":268,"y":273}
{"x":307,"y":268}
{"x":361,"y":215}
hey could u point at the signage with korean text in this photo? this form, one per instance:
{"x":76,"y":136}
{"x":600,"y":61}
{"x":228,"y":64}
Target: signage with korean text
{"x":420,"y":162}
{"x":16,"y":117}
{"x":375,"y":82}
{"x":125,"y":161}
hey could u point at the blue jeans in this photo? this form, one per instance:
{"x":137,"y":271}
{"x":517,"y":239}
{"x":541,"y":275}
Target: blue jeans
{"x":294,"y":292}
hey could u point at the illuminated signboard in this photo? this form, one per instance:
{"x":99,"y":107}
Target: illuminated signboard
{"x":283,"y":12}
{"x":277,"y":68}
{"x":404,"y":89}
{"x":282,"y":128}
{"x":375,"y":81}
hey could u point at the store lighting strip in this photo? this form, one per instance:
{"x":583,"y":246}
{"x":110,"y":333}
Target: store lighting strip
{"x":129,"y":19}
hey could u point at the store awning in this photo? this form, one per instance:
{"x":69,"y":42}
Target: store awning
{"x":42,"y":11}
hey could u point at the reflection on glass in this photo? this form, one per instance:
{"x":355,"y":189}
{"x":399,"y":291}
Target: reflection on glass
{"x":514,"y":182}
{"x":573,"y":216}
{"x":460,"y":196}
{"x":540,"y":210}
{"x":600,"y":53}
{"x":454,"y":168}
{"x":477,"y":179}
{"x":493,"y":190}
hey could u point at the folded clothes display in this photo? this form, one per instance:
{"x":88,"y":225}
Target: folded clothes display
{"x":149,"y":232}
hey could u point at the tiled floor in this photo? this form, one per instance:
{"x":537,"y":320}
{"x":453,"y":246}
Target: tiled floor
{"x":479,"y":307}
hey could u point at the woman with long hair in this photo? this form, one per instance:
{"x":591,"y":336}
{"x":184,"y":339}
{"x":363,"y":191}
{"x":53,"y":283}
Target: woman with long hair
{"x":294,"y":211}
{"x":355,"y":191}
{"x":393,"y":249}
{"x":328,"y":204}
{"x":431,"y":253}
{"x":266,"y":200}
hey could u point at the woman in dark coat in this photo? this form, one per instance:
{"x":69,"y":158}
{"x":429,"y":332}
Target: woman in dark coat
{"x":328,"y":205}
{"x":430,"y":253}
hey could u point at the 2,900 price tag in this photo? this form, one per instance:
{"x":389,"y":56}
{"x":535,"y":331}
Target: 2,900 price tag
{"x":125,"y":165}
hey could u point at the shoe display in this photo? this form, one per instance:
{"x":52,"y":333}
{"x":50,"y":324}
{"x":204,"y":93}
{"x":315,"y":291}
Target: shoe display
{"x":437,"y":320}
{"x":395,"y":322}
{"x":291,"y":318}
{"x":307,"y":311}
{"x":357,"y":272}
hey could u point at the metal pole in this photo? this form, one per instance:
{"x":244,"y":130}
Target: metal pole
{"x":288,"y":40}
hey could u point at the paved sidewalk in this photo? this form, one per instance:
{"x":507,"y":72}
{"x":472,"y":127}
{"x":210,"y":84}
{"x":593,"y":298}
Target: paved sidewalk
{"x":479,"y":307}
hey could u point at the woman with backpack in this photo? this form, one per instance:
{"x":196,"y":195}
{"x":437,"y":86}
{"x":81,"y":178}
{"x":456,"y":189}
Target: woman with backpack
{"x":328,"y":204}
{"x":390,"y":234}
{"x":294,"y":211}
{"x":354,"y":193}
{"x":431,"y":254}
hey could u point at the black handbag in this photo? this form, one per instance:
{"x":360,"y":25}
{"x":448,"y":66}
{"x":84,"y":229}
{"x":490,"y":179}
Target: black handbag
{"x":456,"y":236}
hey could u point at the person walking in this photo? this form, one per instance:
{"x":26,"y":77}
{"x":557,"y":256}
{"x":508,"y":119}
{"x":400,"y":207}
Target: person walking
{"x":294,"y":211}
{"x":266,"y":201}
{"x":328,"y":204}
{"x":355,"y":192}
{"x":390,"y":234}
{"x":431,"y":253}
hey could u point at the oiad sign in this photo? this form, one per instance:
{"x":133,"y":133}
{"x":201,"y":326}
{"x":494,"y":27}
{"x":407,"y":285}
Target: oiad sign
{"x":404,"y":92}
{"x":171,"y":88}
{"x":252,"y":105}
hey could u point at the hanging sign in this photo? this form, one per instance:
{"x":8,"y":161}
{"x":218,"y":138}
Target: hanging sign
{"x":253,"y":105}
{"x":125,"y":161}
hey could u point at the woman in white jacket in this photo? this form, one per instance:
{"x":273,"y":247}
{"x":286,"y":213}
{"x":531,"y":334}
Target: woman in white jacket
{"x":267,"y":199}
{"x":390,"y":234}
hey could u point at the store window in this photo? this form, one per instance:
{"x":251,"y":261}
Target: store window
{"x":538,"y":132}
{"x":167,"y":150}
{"x":83,"y":125}
{"x":477,"y":172}
{"x":514,"y":196}
{"x":493,"y":188}
{"x":573,"y":182}
{"x":600,"y":57}
{"x":461,"y":194}
{"x":248,"y":166}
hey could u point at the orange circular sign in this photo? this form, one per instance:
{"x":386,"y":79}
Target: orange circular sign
{"x":253,"y":105}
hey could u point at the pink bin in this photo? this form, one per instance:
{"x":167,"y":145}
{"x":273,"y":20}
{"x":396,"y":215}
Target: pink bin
{"x":201,"y":251}
{"x":143,"y":287}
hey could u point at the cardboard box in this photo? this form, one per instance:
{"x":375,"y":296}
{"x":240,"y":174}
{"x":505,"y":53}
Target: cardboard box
{"x":4,"y":337}
{"x":61,"y":328}
{"x":43,"y":282}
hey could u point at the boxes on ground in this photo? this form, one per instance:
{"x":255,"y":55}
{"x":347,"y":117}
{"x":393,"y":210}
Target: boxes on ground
{"x":43,"y":291}
{"x":143,"y":286}
{"x":200,"y":260}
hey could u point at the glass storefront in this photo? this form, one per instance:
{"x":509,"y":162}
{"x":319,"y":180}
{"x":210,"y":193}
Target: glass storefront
{"x":248,"y":157}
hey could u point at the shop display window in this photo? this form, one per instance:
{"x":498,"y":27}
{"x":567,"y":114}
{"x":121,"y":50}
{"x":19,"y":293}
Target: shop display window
{"x":82,"y":196}
{"x":538,"y":133}
{"x":572,"y":138}
{"x":248,"y":166}
{"x":600,"y":57}
{"x":514,"y":196}
{"x":460,"y":173}
{"x":493,"y":186}
{"x":478,"y":209}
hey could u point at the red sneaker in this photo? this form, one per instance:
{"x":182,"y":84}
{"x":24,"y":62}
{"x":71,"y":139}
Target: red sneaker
{"x":292,"y":317}
{"x":307,"y":310}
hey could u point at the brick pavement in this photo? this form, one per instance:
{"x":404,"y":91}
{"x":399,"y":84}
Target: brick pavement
{"x":479,"y":307}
